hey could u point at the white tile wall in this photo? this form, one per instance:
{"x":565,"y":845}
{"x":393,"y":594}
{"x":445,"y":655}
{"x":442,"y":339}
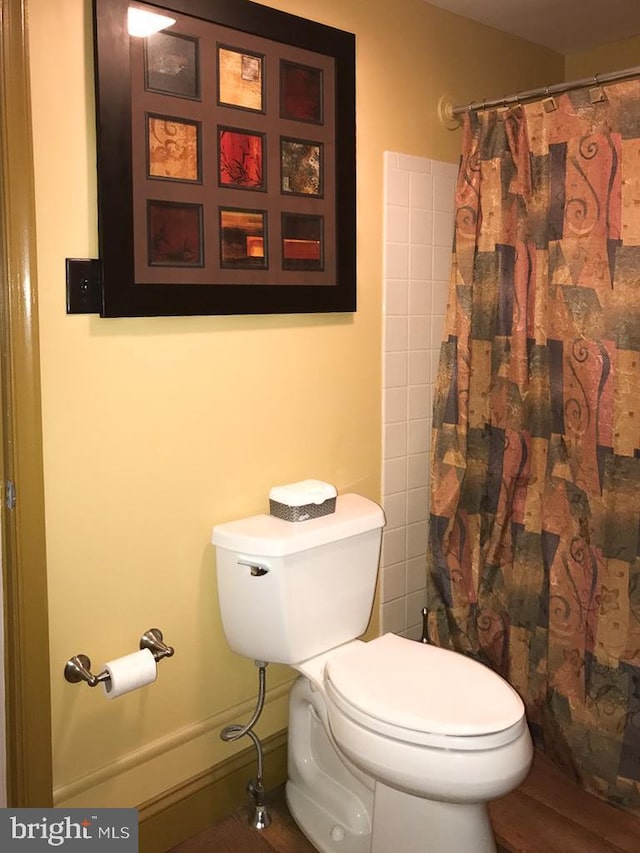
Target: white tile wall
{"x":418,"y":234}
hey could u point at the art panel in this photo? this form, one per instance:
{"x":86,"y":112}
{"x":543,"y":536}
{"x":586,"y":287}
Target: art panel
{"x":171,"y":65}
{"x":243,"y":238}
{"x":241,"y":159}
{"x":173,"y":148}
{"x":175,"y":234}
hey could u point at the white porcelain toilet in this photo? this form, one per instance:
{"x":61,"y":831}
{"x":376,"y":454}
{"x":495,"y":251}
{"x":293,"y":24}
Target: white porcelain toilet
{"x":394,"y":746}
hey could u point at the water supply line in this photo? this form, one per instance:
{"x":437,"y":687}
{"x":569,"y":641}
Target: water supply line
{"x":260,"y":819}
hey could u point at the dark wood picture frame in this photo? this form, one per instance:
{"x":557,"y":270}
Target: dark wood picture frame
{"x":176,"y":263}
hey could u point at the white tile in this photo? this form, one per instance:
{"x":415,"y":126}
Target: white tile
{"x":395,"y":369}
{"x":421,"y":192}
{"x":420,"y":226}
{"x":396,"y":261}
{"x":420,"y":297}
{"x":443,"y":193}
{"x":417,"y":470}
{"x":414,"y":164}
{"x":393,"y":546}
{"x":419,"y":402}
{"x":439,"y":297}
{"x":395,"y":334}
{"x":442,"y":229}
{"x":395,"y":510}
{"x":418,"y":435}
{"x":420,"y":332}
{"x":395,"y":405}
{"x":414,"y":632}
{"x":395,"y":296}
{"x":435,"y":363}
{"x":448,"y":170}
{"x":393,"y":583}
{"x":392,"y":616}
{"x":395,"y":440}
{"x":396,"y":223}
{"x":416,"y":539}
{"x":420,"y":262}
{"x":397,"y":187}
{"x":414,"y":603}
{"x":437,"y":325}
{"x":394,"y":475}
{"x":441,"y":266}
{"x":416,"y":574}
{"x":417,"y":505}
{"x":390,"y":160}
{"x":419,"y":372}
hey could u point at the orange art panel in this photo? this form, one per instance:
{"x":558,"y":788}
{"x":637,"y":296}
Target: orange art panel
{"x":173,"y":149}
{"x":239,"y":79}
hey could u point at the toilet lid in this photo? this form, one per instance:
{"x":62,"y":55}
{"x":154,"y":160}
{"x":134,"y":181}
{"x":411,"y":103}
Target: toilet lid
{"x":423,"y":688}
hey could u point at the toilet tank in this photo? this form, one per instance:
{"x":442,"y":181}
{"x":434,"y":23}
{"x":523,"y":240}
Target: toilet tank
{"x":291,"y":590}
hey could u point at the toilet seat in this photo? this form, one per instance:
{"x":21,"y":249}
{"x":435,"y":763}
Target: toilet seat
{"x":422,"y":694}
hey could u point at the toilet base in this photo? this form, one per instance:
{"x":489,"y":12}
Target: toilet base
{"x":412,"y":824}
{"x":326,"y":797}
{"x":321,"y":828}
{"x":401,"y":822}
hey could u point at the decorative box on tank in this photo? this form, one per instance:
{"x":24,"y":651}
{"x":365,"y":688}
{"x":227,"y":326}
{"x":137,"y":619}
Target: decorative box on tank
{"x":302,"y":501}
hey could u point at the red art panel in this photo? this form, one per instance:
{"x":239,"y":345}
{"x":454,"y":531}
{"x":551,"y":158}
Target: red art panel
{"x":174,"y":234}
{"x":302,"y":237}
{"x":240,"y":159}
{"x":300,"y":92}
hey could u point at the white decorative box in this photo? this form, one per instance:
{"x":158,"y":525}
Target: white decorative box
{"x":302,"y":501}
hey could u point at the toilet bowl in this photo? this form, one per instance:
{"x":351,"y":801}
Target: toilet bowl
{"x":407,"y":717}
{"x":427,"y":720}
{"x":393,"y":745}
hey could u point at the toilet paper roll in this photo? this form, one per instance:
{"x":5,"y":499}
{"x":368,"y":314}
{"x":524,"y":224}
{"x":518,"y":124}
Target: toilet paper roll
{"x":130,"y":672}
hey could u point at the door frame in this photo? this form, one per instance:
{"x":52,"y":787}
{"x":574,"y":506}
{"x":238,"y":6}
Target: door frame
{"x":26,"y":632}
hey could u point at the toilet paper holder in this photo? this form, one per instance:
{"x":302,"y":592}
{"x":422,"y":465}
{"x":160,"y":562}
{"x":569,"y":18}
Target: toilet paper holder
{"x":78,"y":668}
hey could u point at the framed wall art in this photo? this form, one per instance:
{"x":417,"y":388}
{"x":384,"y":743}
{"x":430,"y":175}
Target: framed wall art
{"x":226,"y":161}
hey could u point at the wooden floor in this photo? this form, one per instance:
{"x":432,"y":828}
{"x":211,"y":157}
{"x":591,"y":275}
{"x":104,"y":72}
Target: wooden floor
{"x":547,"y":814}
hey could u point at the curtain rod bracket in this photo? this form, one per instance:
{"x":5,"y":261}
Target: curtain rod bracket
{"x":445,"y":113}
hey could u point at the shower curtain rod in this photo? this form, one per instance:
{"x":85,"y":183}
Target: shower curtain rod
{"x":547,"y":91}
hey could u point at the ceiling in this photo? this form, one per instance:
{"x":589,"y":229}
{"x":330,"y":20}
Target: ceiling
{"x":563,"y":25}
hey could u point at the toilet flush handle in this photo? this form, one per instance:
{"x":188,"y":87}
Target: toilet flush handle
{"x":257,"y":569}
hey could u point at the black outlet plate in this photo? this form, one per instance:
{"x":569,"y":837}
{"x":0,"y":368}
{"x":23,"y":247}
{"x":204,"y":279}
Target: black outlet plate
{"x":84,"y":290}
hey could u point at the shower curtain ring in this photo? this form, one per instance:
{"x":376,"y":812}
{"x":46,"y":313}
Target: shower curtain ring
{"x":548,"y":102}
{"x":596,"y":92}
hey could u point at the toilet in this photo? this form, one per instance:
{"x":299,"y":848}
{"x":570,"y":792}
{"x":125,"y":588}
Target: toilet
{"x":394,"y":746}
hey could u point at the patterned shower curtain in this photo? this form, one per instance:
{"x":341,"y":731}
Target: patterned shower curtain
{"x":534,"y":563}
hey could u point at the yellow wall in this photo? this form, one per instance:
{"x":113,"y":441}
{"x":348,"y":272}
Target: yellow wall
{"x":600,"y":60}
{"x":156,"y":429}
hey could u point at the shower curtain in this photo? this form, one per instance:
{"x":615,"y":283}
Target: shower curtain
{"x":534,"y":557}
